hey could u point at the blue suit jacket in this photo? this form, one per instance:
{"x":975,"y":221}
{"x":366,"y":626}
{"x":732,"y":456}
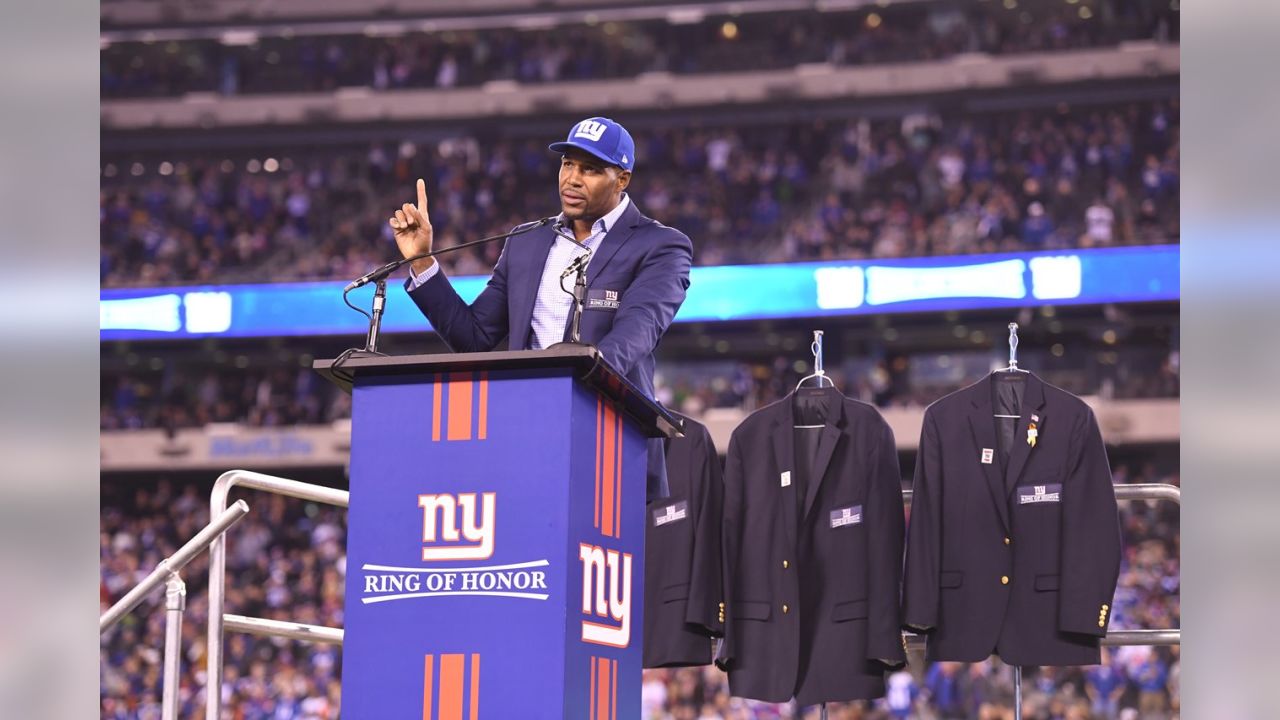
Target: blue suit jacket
{"x":644,"y":261}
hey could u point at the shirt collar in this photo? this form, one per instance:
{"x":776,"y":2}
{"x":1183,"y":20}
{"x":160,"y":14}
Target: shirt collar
{"x":605,"y":223}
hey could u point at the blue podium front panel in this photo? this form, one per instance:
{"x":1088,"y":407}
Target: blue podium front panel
{"x":606,"y":528}
{"x":494,"y":553}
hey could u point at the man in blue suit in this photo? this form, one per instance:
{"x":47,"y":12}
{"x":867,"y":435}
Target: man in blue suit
{"x":636,"y":279}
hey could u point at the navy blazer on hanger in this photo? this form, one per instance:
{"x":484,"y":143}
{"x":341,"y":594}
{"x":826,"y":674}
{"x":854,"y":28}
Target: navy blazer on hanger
{"x":1015,"y":555}
{"x":812,"y":578}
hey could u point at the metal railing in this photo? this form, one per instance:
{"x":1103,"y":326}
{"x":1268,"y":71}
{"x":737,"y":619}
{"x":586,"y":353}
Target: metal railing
{"x":166,"y":572}
{"x":218,"y":563}
{"x":218,"y":621}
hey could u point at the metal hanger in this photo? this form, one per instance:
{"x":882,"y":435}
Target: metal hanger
{"x":1013,"y":360}
{"x":819,"y":373}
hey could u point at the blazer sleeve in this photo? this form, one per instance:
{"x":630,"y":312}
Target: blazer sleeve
{"x":731,"y":543}
{"x":920,"y":593}
{"x":650,"y":302}
{"x":1091,"y":544}
{"x":705,"y":575}
{"x":477,"y":327}
{"x":884,"y":500}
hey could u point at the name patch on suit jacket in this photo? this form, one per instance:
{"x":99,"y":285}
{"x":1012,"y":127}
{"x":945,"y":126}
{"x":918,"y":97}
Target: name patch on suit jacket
{"x":851,"y":515}
{"x":603,"y":299}
{"x":670,"y":513}
{"x":1028,"y":494}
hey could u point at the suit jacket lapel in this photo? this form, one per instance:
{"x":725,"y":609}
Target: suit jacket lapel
{"x":826,"y":447}
{"x":982,"y":424}
{"x":623,"y":228}
{"x":613,"y":240}
{"x":784,"y":457}
{"x":1032,"y":404}
{"x":539,"y":248}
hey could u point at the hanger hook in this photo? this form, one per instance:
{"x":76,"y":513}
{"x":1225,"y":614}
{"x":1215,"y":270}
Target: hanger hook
{"x":1013,"y":346}
{"x":816,"y":347}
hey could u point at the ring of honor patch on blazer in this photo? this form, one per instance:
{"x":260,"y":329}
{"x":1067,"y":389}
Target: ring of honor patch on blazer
{"x":852,"y":515}
{"x":670,"y":513}
{"x":604,"y":300}
{"x":1030,"y":494}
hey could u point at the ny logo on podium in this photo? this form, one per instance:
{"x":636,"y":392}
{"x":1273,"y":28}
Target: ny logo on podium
{"x":449,"y":539}
{"x":606,"y":593}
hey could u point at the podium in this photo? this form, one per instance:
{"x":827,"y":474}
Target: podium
{"x":495,"y":549}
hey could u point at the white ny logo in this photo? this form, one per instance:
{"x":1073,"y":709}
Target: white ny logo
{"x":590,"y":129}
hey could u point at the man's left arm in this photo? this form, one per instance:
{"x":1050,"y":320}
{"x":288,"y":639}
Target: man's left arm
{"x":650,"y":303}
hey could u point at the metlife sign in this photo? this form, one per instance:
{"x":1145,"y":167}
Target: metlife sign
{"x":728,"y":292}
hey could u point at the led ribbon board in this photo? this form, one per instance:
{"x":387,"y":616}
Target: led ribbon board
{"x":728,"y":292}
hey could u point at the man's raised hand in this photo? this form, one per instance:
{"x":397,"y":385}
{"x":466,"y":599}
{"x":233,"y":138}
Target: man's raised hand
{"x":412,"y":226}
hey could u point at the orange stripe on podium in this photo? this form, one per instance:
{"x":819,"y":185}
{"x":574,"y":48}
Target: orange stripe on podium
{"x":482,"y":429}
{"x":617,"y":478}
{"x":459,"y":406}
{"x":602,"y":690}
{"x":475,"y":686}
{"x":603,"y":701}
{"x":610,"y":448}
{"x":596,"y":503}
{"x":452,"y":689}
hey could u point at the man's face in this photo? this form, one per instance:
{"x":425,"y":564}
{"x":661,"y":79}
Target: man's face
{"x":589,"y":188}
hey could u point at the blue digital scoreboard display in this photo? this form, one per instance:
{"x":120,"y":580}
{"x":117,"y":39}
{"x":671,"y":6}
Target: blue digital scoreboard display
{"x":728,"y":292}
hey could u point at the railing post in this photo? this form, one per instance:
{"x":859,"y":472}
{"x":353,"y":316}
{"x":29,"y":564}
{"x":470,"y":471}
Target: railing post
{"x":218,"y":562}
{"x":217,"y":587}
{"x":175,"y":602}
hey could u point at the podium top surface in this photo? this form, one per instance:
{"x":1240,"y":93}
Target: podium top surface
{"x":583,"y":362}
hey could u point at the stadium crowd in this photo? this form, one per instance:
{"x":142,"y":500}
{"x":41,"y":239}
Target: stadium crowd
{"x":288,"y":562}
{"x":904,"y":32}
{"x":922,"y":184}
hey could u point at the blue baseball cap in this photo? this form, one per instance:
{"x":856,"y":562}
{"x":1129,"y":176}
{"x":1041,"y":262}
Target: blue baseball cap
{"x":604,"y":139}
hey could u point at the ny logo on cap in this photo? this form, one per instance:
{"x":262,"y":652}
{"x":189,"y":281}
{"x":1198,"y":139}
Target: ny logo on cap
{"x":590,"y":129}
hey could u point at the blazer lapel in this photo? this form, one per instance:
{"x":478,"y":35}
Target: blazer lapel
{"x":826,"y":447}
{"x":1032,"y":405}
{"x":539,"y":249}
{"x":623,"y":228}
{"x":784,"y":457}
{"x":613,"y":241}
{"x":982,"y":423}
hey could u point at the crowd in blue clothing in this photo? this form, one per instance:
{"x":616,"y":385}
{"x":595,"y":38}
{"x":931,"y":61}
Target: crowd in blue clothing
{"x":928,"y":183}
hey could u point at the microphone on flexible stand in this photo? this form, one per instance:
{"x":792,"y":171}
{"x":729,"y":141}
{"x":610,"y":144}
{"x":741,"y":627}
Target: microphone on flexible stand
{"x":579,"y":268}
{"x":379,"y":276}
{"x":385,"y":270}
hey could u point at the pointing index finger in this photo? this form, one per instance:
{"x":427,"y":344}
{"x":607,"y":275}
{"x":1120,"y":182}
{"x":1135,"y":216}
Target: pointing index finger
{"x":422,"y":196}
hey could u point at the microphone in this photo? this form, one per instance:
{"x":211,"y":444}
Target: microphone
{"x":579,"y":263}
{"x":382,"y":272}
